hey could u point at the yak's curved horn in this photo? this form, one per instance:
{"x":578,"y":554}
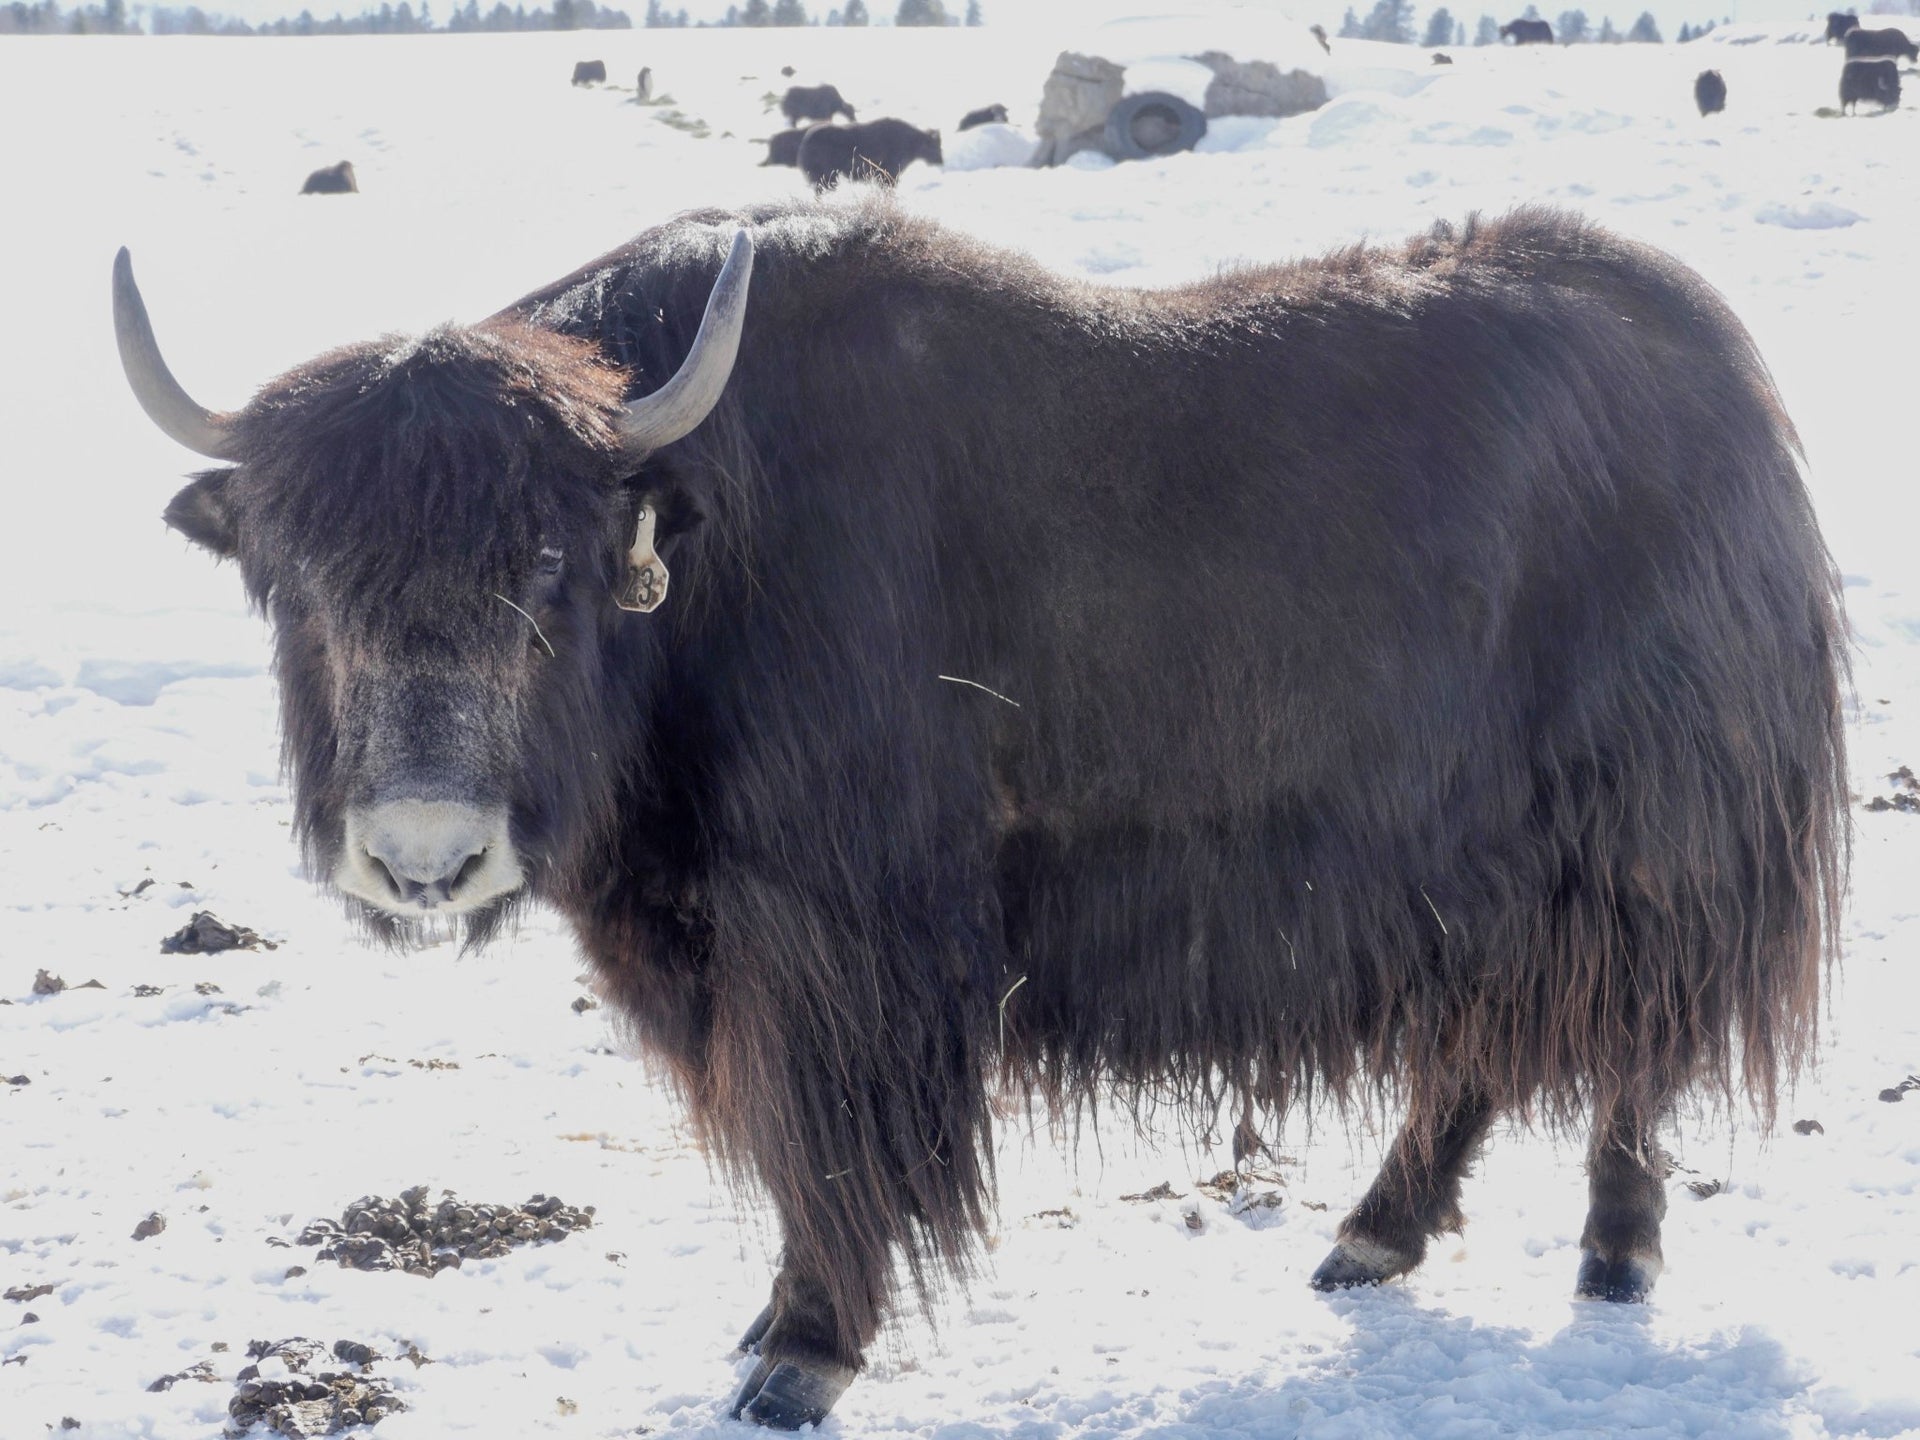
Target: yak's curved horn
{"x":684,"y":401}
{"x":159,"y":394}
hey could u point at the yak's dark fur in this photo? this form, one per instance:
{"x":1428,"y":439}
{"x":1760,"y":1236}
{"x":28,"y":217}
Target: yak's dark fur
{"x":332,"y":180}
{"x":876,"y":150}
{"x":1710,"y":92}
{"x":1875,"y":80}
{"x":590,"y":72}
{"x":1421,"y":670}
{"x":1839,"y":23}
{"x":1527,"y":32}
{"x":985,"y":115}
{"x":784,"y":148}
{"x":1864,"y":44}
{"x":814,"y":102}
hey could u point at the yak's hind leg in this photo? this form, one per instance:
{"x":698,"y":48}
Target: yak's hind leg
{"x":1415,"y":1196}
{"x":1620,"y":1248}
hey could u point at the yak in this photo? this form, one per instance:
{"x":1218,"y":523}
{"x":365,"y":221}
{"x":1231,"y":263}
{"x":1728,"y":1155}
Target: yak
{"x":1876,"y":80}
{"x":1411,"y":675}
{"x":1839,"y":23}
{"x":985,"y":115}
{"x":332,"y":180}
{"x":784,"y":148}
{"x":1710,"y":92}
{"x":876,"y":150}
{"x":589,"y":72}
{"x":1527,"y":32}
{"x":813,"y":102}
{"x":1866,"y":44}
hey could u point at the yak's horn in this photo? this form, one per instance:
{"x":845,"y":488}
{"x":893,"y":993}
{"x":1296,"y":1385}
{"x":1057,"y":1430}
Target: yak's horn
{"x":684,"y":401}
{"x":159,"y":394}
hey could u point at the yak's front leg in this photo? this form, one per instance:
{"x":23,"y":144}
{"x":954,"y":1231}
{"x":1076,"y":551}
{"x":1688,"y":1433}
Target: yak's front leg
{"x":1415,"y":1196}
{"x":1627,"y":1198}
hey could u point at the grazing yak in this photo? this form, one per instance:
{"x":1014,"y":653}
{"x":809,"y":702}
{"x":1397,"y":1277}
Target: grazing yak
{"x":985,"y":115}
{"x":333,"y":180}
{"x":1710,"y":92}
{"x":784,"y":148}
{"x":1838,"y":25}
{"x":1527,"y":32}
{"x":813,"y":102}
{"x":1876,"y":80}
{"x":876,"y":150}
{"x":1867,"y":44}
{"x":590,"y":72}
{"x":1413,"y":672}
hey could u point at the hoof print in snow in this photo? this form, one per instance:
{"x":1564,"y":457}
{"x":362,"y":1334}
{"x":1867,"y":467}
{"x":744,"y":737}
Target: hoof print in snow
{"x":1808,"y":1127}
{"x":1706,"y":1189}
{"x":408,"y":1233}
{"x":150,"y":1227}
{"x":303,"y":1395}
{"x":1894,"y":1094}
{"x":207,"y":934}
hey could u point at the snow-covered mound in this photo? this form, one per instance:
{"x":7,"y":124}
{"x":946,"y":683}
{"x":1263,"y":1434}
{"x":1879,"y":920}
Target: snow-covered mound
{"x":240,"y":1096}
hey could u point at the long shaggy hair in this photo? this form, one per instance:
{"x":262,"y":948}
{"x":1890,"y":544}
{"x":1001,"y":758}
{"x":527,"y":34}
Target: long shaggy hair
{"x":1403,"y":668}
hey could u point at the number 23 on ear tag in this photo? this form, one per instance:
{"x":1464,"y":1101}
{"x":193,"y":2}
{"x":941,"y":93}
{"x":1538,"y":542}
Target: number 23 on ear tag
{"x":646,"y":583}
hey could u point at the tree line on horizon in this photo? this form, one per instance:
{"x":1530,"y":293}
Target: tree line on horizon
{"x":1392,"y":21}
{"x":115,"y":17}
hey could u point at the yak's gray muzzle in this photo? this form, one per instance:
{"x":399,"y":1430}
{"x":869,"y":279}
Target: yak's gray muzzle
{"x":415,"y":857}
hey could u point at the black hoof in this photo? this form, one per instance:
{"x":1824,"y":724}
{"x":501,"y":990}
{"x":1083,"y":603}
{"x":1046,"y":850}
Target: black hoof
{"x":1359,"y":1262}
{"x":756,"y":1332}
{"x":1625,"y":1281}
{"x":786,"y":1395}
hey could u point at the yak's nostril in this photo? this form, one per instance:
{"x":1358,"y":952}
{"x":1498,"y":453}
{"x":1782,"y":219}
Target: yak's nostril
{"x":385,"y":873}
{"x":467,"y":871}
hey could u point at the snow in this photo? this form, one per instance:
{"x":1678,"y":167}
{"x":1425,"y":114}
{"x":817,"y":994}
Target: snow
{"x":137,"y":742}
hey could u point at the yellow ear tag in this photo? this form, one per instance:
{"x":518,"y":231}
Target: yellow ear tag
{"x":646,"y":583}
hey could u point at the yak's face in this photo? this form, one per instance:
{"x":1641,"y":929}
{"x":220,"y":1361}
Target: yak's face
{"x":435,"y":529}
{"x":448,"y":535}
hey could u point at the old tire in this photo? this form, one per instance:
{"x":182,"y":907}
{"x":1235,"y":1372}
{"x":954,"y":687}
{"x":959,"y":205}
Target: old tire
{"x":1152,"y":124}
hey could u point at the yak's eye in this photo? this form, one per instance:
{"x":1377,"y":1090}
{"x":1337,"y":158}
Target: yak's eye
{"x":551,"y":560}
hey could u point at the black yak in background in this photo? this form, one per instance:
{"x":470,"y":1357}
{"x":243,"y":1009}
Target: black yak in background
{"x":985,"y":115}
{"x":876,"y":150}
{"x":813,"y":102}
{"x":1839,"y":24}
{"x":1866,"y":44}
{"x":590,"y":72}
{"x":1410,"y":673}
{"x":1710,"y":92}
{"x":1527,"y":32}
{"x":332,"y":180}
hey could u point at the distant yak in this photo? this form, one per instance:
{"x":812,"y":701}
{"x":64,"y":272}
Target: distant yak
{"x":1441,"y":58}
{"x":334,"y":180}
{"x":1869,"y":44}
{"x":813,"y":102}
{"x":1838,"y":25}
{"x":877,"y":150}
{"x":1876,"y":80}
{"x":985,"y":115}
{"x":1527,"y":32}
{"x":590,"y":72}
{"x":1710,"y":92}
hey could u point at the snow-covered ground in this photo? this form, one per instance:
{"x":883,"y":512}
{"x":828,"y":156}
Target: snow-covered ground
{"x":137,"y":742}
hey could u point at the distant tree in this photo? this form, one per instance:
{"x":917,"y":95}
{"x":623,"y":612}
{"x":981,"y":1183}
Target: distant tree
{"x":757,"y":13}
{"x":1486,"y":31}
{"x":789,"y":12}
{"x":1350,"y":26}
{"x":1608,"y":35}
{"x":1645,"y":31}
{"x":1391,"y":21}
{"x":920,"y":12}
{"x":1572,"y":28}
{"x":973,"y":12}
{"x":855,"y":13}
{"x":1439,"y":29}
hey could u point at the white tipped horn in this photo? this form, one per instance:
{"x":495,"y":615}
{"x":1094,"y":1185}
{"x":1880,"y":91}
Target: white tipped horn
{"x":159,"y":394}
{"x":684,"y":401}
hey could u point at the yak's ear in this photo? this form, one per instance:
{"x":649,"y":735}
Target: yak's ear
{"x":204,"y":514}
